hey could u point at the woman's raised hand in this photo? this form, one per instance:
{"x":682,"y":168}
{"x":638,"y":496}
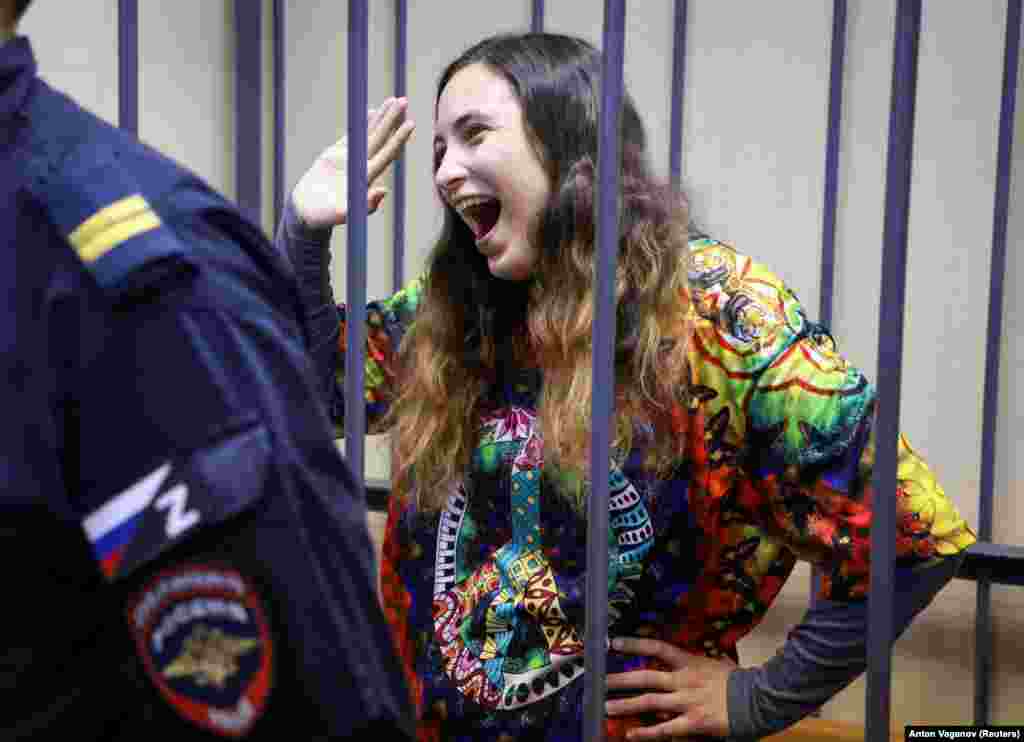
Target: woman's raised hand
{"x":321,"y":196}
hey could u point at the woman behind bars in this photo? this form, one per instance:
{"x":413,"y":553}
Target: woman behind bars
{"x":742,"y":440}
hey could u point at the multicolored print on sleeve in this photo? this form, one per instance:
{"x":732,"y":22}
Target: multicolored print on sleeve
{"x":788,"y":446}
{"x":387,"y":321}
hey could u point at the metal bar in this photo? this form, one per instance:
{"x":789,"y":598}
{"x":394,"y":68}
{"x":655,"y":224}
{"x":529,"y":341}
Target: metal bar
{"x":606,"y":216}
{"x":280,"y":188}
{"x":996,"y":564}
{"x":128,"y":65}
{"x":890,"y":360}
{"x":834,"y":118}
{"x":675,"y":157}
{"x":249,"y":108}
{"x":983,"y":651}
{"x":401,"y":57}
{"x":355,"y":407}
{"x":537,"y":16}
{"x":990,"y":408}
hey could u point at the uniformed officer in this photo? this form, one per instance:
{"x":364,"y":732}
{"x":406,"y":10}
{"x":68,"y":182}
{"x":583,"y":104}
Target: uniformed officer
{"x":180,"y":548}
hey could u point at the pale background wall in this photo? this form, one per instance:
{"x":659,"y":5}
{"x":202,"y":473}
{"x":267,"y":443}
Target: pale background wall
{"x":753,"y":162}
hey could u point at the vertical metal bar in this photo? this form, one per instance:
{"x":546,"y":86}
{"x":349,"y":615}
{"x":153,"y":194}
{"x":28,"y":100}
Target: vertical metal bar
{"x":1007,"y":114}
{"x":280,"y":188}
{"x":355,"y":406}
{"x":983,"y":652}
{"x":606,"y":216}
{"x":248,"y":108}
{"x":401,"y":57}
{"x":537,"y":16}
{"x":128,"y":65}
{"x":834,"y":118}
{"x":890,"y":361}
{"x":675,"y":157}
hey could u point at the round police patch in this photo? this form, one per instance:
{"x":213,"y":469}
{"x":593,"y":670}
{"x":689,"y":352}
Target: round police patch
{"x":204,"y":639}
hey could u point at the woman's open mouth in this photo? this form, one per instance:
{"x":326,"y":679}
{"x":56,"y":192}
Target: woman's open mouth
{"x":480,"y":214}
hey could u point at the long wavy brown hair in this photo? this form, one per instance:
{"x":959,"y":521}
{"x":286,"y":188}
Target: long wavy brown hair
{"x":472,"y":329}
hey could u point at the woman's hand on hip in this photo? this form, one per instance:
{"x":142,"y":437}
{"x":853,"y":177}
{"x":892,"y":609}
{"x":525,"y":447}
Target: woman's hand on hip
{"x":689,"y":698}
{"x":321,"y":196}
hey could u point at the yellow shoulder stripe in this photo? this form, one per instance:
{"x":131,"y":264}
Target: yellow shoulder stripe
{"x":112,"y":225}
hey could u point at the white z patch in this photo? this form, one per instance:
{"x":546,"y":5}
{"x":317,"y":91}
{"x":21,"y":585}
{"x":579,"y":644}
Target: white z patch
{"x":115,"y":526}
{"x":173,"y":501}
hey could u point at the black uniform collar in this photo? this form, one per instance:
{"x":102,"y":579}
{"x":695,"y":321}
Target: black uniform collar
{"x":17,"y":72}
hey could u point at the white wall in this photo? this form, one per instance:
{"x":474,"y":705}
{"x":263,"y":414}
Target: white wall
{"x":186,"y":91}
{"x":753,"y":162}
{"x":79,"y":56}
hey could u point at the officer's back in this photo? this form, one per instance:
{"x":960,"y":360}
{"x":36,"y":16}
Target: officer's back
{"x":182,"y":552}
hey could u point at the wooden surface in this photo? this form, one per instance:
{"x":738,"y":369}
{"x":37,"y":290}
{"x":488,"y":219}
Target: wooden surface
{"x":823,"y":730}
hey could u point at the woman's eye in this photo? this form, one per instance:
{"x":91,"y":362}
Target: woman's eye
{"x":474,"y":132}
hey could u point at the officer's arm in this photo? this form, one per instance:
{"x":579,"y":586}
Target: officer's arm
{"x":218,"y":507}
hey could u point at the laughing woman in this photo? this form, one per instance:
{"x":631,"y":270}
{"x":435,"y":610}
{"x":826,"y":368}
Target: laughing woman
{"x":743,"y":440}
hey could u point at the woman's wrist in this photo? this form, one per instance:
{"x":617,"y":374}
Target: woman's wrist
{"x":308,"y":250}
{"x":297,"y":228}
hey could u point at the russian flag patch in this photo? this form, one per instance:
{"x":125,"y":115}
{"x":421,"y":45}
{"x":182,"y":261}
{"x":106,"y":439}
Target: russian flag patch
{"x":112,"y":528}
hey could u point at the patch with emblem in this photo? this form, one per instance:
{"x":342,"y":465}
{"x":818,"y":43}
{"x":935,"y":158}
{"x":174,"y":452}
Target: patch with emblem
{"x":203,"y":637}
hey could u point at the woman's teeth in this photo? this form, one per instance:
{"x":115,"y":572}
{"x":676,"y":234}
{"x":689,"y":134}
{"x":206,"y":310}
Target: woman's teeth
{"x":480,"y":213}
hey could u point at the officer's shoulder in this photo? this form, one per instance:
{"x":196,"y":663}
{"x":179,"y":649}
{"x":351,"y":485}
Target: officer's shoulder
{"x":61,"y":131}
{"x":122,"y":207}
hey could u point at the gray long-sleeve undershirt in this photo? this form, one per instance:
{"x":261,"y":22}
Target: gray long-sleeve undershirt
{"x":823,"y":654}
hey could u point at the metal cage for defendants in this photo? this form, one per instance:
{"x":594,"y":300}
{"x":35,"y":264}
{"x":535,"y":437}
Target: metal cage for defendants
{"x":987,"y":563}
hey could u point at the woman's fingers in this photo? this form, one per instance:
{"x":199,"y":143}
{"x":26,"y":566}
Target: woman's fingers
{"x":641,"y":679}
{"x":667,"y":653}
{"x":374,"y":198}
{"x":675,"y":729}
{"x":375,"y":114}
{"x":381,"y":123}
{"x":648,"y":702}
{"x":387,"y":132}
{"x":673,"y":711}
{"x":386,"y":139}
{"x":373,"y":120}
{"x":387,"y":118}
{"x":389,"y":151}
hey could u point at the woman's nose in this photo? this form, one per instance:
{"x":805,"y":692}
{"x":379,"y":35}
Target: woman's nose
{"x":450,"y":173}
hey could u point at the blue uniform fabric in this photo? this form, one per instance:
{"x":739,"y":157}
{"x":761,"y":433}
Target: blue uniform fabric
{"x":161,"y":416}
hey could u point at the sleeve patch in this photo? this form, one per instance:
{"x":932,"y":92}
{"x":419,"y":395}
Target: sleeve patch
{"x":166,"y":505}
{"x":205,"y":642}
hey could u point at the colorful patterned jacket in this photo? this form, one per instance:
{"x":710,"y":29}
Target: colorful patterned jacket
{"x":486,"y":597}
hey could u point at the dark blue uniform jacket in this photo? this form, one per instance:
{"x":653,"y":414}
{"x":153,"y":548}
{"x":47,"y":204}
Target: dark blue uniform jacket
{"x":181,"y":548}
